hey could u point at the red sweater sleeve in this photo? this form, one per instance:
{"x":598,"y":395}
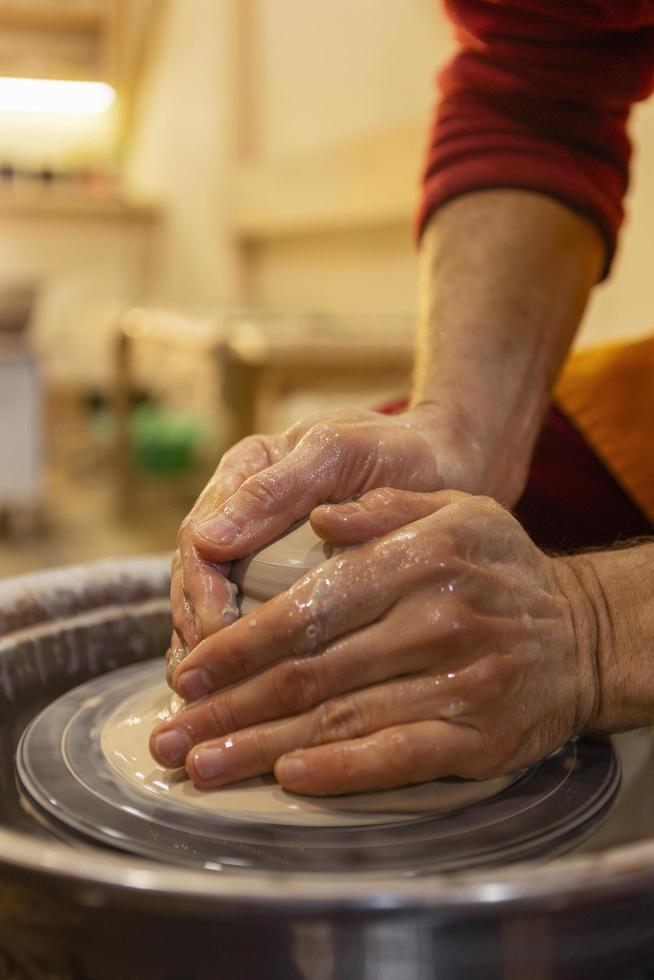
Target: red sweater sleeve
{"x":538,"y":98}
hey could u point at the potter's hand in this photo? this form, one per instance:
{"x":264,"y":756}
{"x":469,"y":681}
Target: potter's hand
{"x":449,"y":646}
{"x":267,"y":483}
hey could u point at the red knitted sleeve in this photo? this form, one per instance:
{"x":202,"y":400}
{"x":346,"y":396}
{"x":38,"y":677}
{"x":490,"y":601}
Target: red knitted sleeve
{"x":538,"y":98}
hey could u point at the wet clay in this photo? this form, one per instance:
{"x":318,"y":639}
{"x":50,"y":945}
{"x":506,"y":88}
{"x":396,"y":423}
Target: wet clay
{"x":280,"y":564}
{"x":125,"y":738}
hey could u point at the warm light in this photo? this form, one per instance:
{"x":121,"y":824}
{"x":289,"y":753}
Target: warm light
{"x":53,"y":96}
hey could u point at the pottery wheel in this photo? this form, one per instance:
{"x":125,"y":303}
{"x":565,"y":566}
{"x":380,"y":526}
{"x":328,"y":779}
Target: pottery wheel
{"x":84,"y":770}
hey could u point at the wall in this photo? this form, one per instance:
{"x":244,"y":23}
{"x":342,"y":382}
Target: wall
{"x":624,"y":306}
{"x":179,"y":150}
{"x":88,"y":269}
{"x":326,"y":75}
{"x":327,"y":70}
{"x":310,"y":76}
{"x":313,"y":76}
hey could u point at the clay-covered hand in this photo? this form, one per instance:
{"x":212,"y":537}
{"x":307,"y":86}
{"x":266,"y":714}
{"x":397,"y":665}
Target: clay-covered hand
{"x":448,"y":644}
{"x":265,"y":484}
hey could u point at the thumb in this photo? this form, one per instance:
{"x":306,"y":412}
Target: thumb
{"x":377,"y":513}
{"x":268,"y":503}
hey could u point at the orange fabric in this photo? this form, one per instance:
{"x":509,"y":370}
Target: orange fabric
{"x":608,"y":393}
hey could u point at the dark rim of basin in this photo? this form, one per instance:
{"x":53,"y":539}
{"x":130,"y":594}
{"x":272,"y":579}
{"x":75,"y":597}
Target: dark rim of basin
{"x":47,"y":604}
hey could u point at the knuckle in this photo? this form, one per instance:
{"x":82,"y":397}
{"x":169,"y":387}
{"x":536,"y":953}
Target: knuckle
{"x":339,"y":719}
{"x":321,"y":430}
{"x":444,"y":546}
{"x":237,"y":663}
{"x":487,"y":512}
{"x":489,"y":678}
{"x":488,"y":504}
{"x":295,"y":686}
{"x":299,"y":428}
{"x":221,"y":715}
{"x":262,"y":489}
{"x":251,"y":445}
{"x":262,"y":450}
{"x":457,"y":617}
{"x":385,"y":497}
{"x":261,"y":745}
{"x":451,"y":544}
{"x":326,"y":434}
{"x":255,"y":442}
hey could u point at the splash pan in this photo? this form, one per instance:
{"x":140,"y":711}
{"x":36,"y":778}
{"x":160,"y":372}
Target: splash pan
{"x":82,"y":783}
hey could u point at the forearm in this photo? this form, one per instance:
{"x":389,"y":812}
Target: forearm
{"x":613,"y":612}
{"x":505,"y":277}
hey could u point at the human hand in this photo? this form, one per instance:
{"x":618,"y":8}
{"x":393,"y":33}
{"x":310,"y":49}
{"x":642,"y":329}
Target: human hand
{"x":448,"y":645}
{"x":264,"y":484}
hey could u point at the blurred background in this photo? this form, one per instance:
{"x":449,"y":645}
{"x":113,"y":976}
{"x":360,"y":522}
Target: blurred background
{"x":206,"y":216}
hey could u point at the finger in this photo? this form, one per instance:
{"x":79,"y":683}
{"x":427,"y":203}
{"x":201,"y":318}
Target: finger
{"x":366,"y":657}
{"x":376,"y":513}
{"x":203,"y":599}
{"x":288,"y":688}
{"x":330,"y":462}
{"x":267,"y":505}
{"x":398,"y":756}
{"x":253,"y":751}
{"x":207,"y":595}
{"x":184,"y":622}
{"x":249,"y":456}
{"x":341,"y":595}
{"x":347,"y":592}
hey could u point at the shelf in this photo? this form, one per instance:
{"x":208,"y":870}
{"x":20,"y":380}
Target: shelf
{"x":93,"y":74}
{"x":56,"y":18}
{"x":52,"y":202}
{"x":322,"y":354}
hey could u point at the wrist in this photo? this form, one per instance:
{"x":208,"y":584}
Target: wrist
{"x":620,"y":602}
{"x":476,"y":455}
{"x":588,"y":634}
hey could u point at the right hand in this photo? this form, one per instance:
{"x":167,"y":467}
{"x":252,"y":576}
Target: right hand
{"x":265,"y":484}
{"x":447,"y":644}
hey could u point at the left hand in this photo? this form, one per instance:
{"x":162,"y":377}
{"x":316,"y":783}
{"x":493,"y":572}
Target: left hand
{"x":266,"y":483}
{"x":448,"y":645}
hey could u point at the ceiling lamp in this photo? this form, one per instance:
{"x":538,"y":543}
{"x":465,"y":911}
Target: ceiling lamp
{"x":54,"y":96}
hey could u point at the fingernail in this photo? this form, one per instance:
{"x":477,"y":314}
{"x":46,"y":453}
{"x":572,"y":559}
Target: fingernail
{"x":338,"y":509}
{"x":171,"y":748}
{"x":351,"y":508}
{"x":218,"y":530}
{"x":193,"y":684}
{"x":209,"y":762}
{"x":290,"y":770}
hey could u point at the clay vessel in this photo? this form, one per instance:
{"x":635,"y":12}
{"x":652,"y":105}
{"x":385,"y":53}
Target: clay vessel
{"x":278,"y":565}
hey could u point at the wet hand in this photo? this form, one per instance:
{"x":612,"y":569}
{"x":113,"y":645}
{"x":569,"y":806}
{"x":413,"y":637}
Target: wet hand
{"x":447,"y":645}
{"x":265,"y":484}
